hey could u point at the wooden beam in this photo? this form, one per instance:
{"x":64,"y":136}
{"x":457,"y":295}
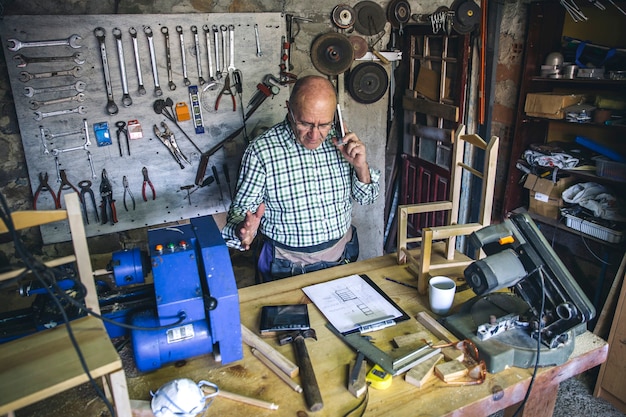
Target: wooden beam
{"x":420,"y":105}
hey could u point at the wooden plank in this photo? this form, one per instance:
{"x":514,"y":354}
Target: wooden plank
{"x":608,"y":310}
{"x":451,"y":370}
{"x":29,"y":218}
{"x":420,"y":105}
{"x":419,"y":375}
{"x":434,"y":327}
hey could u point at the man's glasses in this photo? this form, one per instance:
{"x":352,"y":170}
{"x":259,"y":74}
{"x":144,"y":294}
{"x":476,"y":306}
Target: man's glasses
{"x":323,"y":128}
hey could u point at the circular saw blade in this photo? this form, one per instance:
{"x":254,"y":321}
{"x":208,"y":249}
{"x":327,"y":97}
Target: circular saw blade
{"x":370,"y":18}
{"x":359,"y":45}
{"x":343,"y":16}
{"x":368,"y":82}
{"x":332,"y":53}
{"x":398,"y":13}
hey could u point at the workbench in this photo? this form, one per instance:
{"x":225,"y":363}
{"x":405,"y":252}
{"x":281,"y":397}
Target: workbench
{"x":331,"y":358}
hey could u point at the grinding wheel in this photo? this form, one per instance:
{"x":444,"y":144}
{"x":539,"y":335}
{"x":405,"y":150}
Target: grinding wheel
{"x":466,"y":16}
{"x":332,"y":53}
{"x":370,"y":18}
{"x":343,"y":16}
{"x":359,"y":45}
{"x":368,"y":82}
{"x":398,"y":13}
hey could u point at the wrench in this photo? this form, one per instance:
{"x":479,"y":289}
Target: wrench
{"x":23,"y":60}
{"x":16,"y":44}
{"x":111,"y":107}
{"x":207,"y":34}
{"x":84,"y":146}
{"x":34,"y":104}
{"x":51,"y":136}
{"x":258,"y":40}
{"x":216,"y":38}
{"x":42,"y":115}
{"x":168,"y":59}
{"x":79,"y":86}
{"x":179,"y":30}
{"x":224,"y":30}
{"x":133,"y":35}
{"x":196,"y":41}
{"x":42,"y":136}
{"x":231,"y":45}
{"x":155,"y":73}
{"x":117,"y":34}
{"x":26,"y":76}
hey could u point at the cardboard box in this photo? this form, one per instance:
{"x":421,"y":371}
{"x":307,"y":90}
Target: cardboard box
{"x":545,"y":195}
{"x":550,"y":105}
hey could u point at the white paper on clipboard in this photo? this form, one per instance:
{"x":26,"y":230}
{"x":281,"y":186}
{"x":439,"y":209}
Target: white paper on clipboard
{"x":353,"y":302}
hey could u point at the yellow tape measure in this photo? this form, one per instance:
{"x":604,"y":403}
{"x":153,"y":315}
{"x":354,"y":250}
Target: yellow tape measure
{"x":378,"y":378}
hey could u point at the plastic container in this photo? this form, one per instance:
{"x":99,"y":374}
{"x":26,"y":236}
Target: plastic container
{"x":611,"y":169}
{"x":593,"y":229}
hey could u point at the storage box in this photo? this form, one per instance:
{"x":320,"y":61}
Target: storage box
{"x":611,"y":169}
{"x":550,"y":105}
{"x":545,"y":195}
{"x":593,"y":229}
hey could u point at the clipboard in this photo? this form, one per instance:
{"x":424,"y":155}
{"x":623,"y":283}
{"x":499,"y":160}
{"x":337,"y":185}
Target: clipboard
{"x":355,"y":304}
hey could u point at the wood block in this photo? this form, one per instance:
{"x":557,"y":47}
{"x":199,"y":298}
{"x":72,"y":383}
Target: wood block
{"x":414,"y":339}
{"x":451,"y":370}
{"x":451,"y":353}
{"x":423,"y":372}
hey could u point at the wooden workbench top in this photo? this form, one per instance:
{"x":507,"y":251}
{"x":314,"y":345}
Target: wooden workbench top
{"x":331,"y":358}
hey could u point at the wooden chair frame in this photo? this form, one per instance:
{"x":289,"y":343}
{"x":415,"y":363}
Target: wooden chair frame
{"x":431,"y":257}
{"x":45,"y":363}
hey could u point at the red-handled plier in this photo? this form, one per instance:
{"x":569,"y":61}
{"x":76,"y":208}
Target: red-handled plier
{"x":147,"y":181}
{"x":44,"y":186}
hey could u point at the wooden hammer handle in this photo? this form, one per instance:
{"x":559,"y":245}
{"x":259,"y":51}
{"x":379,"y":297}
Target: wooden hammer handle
{"x":312,"y":393}
{"x":272,"y":354}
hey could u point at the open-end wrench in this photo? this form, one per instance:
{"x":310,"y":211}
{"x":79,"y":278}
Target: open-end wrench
{"x":86,"y":143}
{"x":168,"y":59}
{"x":218,"y":58}
{"x":224,"y":30}
{"x":183,"y":55}
{"x":35,"y":104}
{"x":257,"y":38}
{"x":42,"y":136}
{"x":111,"y":107}
{"x":196,"y":42}
{"x":23,"y":60}
{"x":155,"y":73}
{"x":133,"y":36}
{"x":26,"y":76}
{"x":117,"y":34}
{"x":42,"y":115}
{"x":79,"y":86}
{"x":207,"y":34}
{"x":231,"y":45}
{"x":16,"y":44}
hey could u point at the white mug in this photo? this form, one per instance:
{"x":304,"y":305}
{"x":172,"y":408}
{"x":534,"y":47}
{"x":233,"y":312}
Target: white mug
{"x":441,"y":294}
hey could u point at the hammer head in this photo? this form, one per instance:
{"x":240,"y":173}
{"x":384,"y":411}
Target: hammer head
{"x":291,"y":336}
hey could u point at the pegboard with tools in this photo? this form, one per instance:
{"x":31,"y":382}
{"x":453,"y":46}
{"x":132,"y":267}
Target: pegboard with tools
{"x":145,"y":116}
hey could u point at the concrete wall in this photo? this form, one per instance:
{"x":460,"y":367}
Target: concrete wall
{"x":369,"y":121}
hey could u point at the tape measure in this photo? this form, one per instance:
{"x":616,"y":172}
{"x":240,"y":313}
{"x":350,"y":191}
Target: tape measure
{"x":378,"y":378}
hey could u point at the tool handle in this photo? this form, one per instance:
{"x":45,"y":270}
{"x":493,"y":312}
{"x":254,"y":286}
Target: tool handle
{"x":217,"y":177}
{"x":272,"y":354}
{"x":312,"y":393}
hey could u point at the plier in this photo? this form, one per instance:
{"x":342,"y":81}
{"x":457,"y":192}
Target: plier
{"x":65,"y":185}
{"x":127,"y":191}
{"x":227,"y":89}
{"x":146,"y":181}
{"x":169,"y":140}
{"x":44,"y":186}
{"x":108,"y":203}
{"x":85,"y":188}
{"x":122,"y":130}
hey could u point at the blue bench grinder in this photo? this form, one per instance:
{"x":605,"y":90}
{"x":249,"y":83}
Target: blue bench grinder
{"x":193,"y":279}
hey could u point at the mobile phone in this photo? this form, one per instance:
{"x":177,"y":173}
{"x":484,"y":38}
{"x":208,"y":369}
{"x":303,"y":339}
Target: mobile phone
{"x":340,"y":123}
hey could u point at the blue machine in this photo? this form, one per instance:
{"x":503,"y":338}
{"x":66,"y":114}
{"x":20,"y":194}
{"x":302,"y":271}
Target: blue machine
{"x":193,"y":278}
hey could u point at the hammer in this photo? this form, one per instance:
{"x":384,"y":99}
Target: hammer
{"x":311,"y":390}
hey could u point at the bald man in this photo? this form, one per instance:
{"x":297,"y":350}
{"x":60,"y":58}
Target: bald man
{"x":296,"y":185}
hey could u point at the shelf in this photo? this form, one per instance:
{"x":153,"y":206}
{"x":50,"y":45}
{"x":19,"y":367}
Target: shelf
{"x":583,"y":82}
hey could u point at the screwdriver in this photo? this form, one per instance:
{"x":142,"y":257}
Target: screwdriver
{"x":217,"y":180}
{"x":227,"y":177}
